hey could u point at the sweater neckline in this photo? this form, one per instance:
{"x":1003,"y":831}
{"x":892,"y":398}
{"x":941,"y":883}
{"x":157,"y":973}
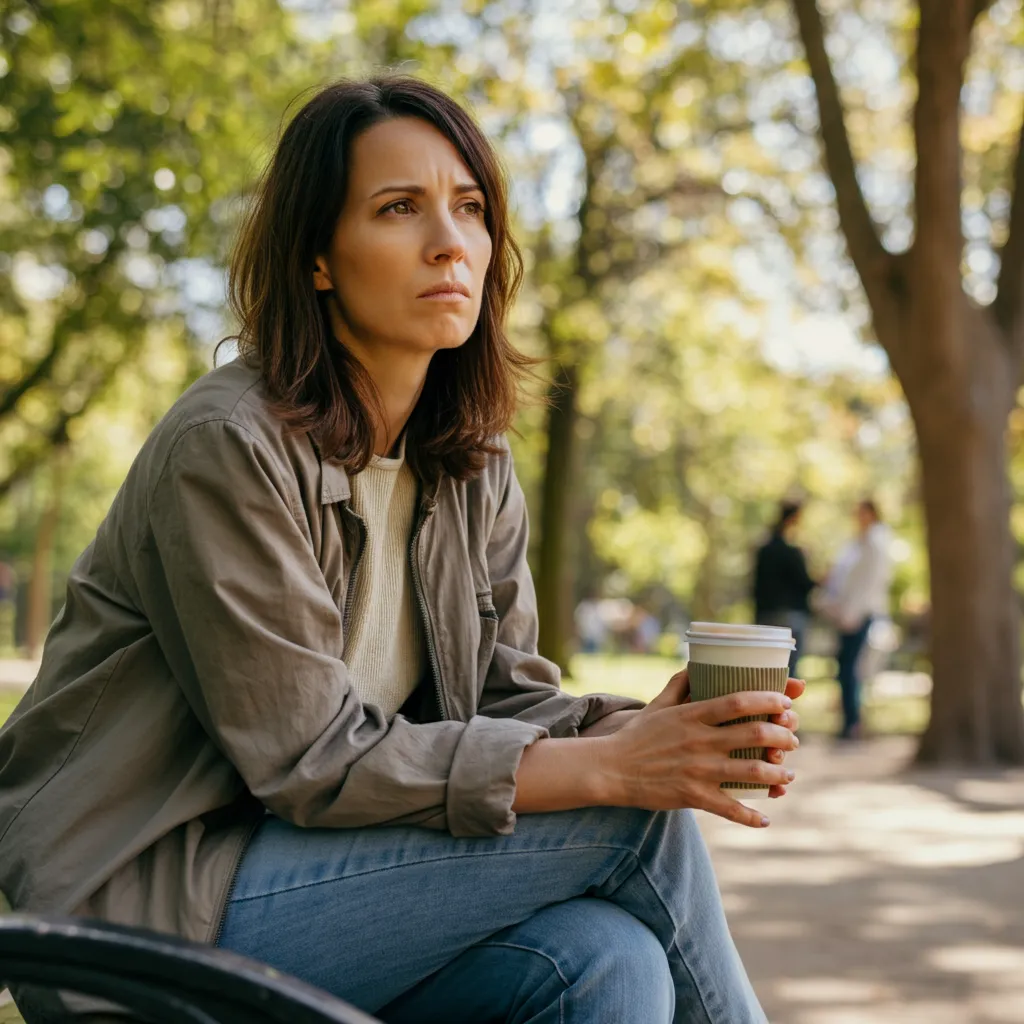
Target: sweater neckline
{"x":390,"y":462}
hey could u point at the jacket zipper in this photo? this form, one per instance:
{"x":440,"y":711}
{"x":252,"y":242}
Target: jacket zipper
{"x":250,"y":832}
{"x":435,"y":664}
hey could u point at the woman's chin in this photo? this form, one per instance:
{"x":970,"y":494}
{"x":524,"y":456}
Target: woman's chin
{"x":448,"y":339}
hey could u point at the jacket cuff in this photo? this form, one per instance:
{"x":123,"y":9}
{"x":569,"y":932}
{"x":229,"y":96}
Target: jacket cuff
{"x":482,"y":779}
{"x":585,"y":711}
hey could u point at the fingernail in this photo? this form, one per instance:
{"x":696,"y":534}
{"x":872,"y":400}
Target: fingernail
{"x":787,"y":702}
{"x":790,"y":775}
{"x":765,"y":822}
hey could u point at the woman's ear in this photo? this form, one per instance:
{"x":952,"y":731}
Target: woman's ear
{"x":322,"y":276}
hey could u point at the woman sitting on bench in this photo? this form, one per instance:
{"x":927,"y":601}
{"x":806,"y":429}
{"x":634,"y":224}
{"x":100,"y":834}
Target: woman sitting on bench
{"x":293,"y":704}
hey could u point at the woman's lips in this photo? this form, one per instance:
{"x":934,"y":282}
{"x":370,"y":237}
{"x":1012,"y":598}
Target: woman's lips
{"x":446,"y":297}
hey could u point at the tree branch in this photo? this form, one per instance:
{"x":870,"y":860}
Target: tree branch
{"x":980,"y":7}
{"x":57,"y":434}
{"x":866,"y":250}
{"x":1010,"y":294}
{"x":10,"y":398}
{"x":26,"y":464}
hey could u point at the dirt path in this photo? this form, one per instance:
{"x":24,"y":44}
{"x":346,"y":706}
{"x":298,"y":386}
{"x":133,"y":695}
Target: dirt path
{"x":880,"y":896}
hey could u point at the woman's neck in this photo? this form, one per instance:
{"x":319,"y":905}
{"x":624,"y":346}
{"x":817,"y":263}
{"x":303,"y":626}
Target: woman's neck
{"x":399,"y":375}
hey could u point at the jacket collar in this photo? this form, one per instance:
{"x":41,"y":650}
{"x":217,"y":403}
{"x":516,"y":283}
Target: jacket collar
{"x":335,"y":485}
{"x":334,"y":482}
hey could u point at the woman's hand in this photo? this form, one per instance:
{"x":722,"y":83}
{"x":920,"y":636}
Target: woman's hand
{"x":677,"y":691}
{"x":675,"y":753}
{"x":672,"y":753}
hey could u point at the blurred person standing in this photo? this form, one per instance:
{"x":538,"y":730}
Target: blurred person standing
{"x":591,"y":631}
{"x":856,"y":594}
{"x":782,"y":585}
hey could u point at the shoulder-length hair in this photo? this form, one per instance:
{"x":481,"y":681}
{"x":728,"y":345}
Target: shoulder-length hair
{"x":315,"y":384}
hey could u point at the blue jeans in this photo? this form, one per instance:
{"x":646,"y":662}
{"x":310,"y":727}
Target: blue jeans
{"x":797,"y":621}
{"x":596,"y":916}
{"x":850,"y":647}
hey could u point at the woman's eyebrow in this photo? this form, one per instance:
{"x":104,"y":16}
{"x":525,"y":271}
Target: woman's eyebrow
{"x":419,"y":190}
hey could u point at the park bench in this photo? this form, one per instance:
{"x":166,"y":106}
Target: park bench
{"x":161,"y":978}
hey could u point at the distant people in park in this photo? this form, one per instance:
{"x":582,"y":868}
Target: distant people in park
{"x":309,"y":614}
{"x":782,"y":585}
{"x":645,"y":630}
{"x":591,"y":630}
{"x":856,"y":593}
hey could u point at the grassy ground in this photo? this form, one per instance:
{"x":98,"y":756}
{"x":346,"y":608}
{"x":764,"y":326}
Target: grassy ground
{"x":8,"y":698}
{"x":642,"y":677}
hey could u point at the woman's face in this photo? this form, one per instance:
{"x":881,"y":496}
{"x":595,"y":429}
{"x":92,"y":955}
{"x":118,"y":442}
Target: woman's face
{"x":412,"y":223}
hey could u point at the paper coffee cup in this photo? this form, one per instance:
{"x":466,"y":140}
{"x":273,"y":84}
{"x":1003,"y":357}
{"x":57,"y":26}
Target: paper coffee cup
{"x":726,"y":658}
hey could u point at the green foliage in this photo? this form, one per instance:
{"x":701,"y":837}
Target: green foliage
{"x":127,"y":132}
{"x":667,"y":189}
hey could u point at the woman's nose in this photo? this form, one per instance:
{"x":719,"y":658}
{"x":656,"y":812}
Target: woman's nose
{"x":446,"y":242}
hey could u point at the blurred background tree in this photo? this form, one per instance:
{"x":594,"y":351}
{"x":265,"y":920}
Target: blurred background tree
{"x":708,"y":341}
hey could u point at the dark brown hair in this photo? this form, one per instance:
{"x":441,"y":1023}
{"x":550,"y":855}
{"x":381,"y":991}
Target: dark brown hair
{"x":316,"y":384}
{"x":870,"y":506}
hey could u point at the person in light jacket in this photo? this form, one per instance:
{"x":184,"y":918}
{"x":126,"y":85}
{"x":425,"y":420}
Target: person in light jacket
{"x":293,"y":705}
{"x":856,"y":594}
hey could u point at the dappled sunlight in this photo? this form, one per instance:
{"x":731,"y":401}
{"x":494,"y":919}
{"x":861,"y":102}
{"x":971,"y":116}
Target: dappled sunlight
{"x":833,"y":990}
{"x":880,"y":896}
{"x":981,"y":959}
{"x":993,"y":792}
{"x":775,"y":929}
{"x":897,"y":1012}
{"x":822,"y":870}
{"x":937,"y":909}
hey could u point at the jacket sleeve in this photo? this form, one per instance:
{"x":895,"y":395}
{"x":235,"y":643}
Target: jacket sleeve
{"x":253,"y":636}
{"x":520,"y":684}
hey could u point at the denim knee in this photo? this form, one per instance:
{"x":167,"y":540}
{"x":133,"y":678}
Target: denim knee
{"x":611,"y":966}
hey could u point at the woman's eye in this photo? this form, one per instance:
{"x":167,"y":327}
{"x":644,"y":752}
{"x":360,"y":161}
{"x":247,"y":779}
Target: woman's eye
{"x":402,"y":206}
{"x":473,"y":208}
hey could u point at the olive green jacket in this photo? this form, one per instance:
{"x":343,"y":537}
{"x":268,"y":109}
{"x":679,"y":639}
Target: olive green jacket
{"x":194,"y":679}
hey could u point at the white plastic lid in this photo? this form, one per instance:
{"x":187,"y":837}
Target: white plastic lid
{"x":787,"y":643}
{"x":739,"y":632}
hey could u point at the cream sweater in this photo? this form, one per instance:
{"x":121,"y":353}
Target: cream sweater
{"x":385,"y":648}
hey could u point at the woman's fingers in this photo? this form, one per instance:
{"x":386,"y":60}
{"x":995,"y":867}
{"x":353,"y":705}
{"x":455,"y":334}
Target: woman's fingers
{"x":754,"y":734}
{"x":789,"y":719}
{"x":795,"y":688}
{"x":758,"y":772}
{"x":774,"y":792}
{"x":676,"y":691}
{"x":733,"y":810}
{"x":741,"y":705}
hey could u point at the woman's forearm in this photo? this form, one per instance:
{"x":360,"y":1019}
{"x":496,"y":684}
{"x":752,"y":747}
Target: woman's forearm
{"x":561,"y":775}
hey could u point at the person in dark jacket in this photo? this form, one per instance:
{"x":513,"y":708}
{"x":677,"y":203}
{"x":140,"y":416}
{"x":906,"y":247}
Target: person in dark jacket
{"x":782,"y":584}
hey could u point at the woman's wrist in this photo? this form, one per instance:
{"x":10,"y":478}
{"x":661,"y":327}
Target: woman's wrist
{"x":563,"y":775}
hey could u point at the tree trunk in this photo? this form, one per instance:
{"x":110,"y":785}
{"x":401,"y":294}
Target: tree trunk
{"x":40,"y":587}
{"x":976,"y":714}
{"x":959,"y":366}
{"x":554,"y":581}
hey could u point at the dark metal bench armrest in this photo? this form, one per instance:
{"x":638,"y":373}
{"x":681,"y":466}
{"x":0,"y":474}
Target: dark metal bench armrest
{"x":161,"y":977}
